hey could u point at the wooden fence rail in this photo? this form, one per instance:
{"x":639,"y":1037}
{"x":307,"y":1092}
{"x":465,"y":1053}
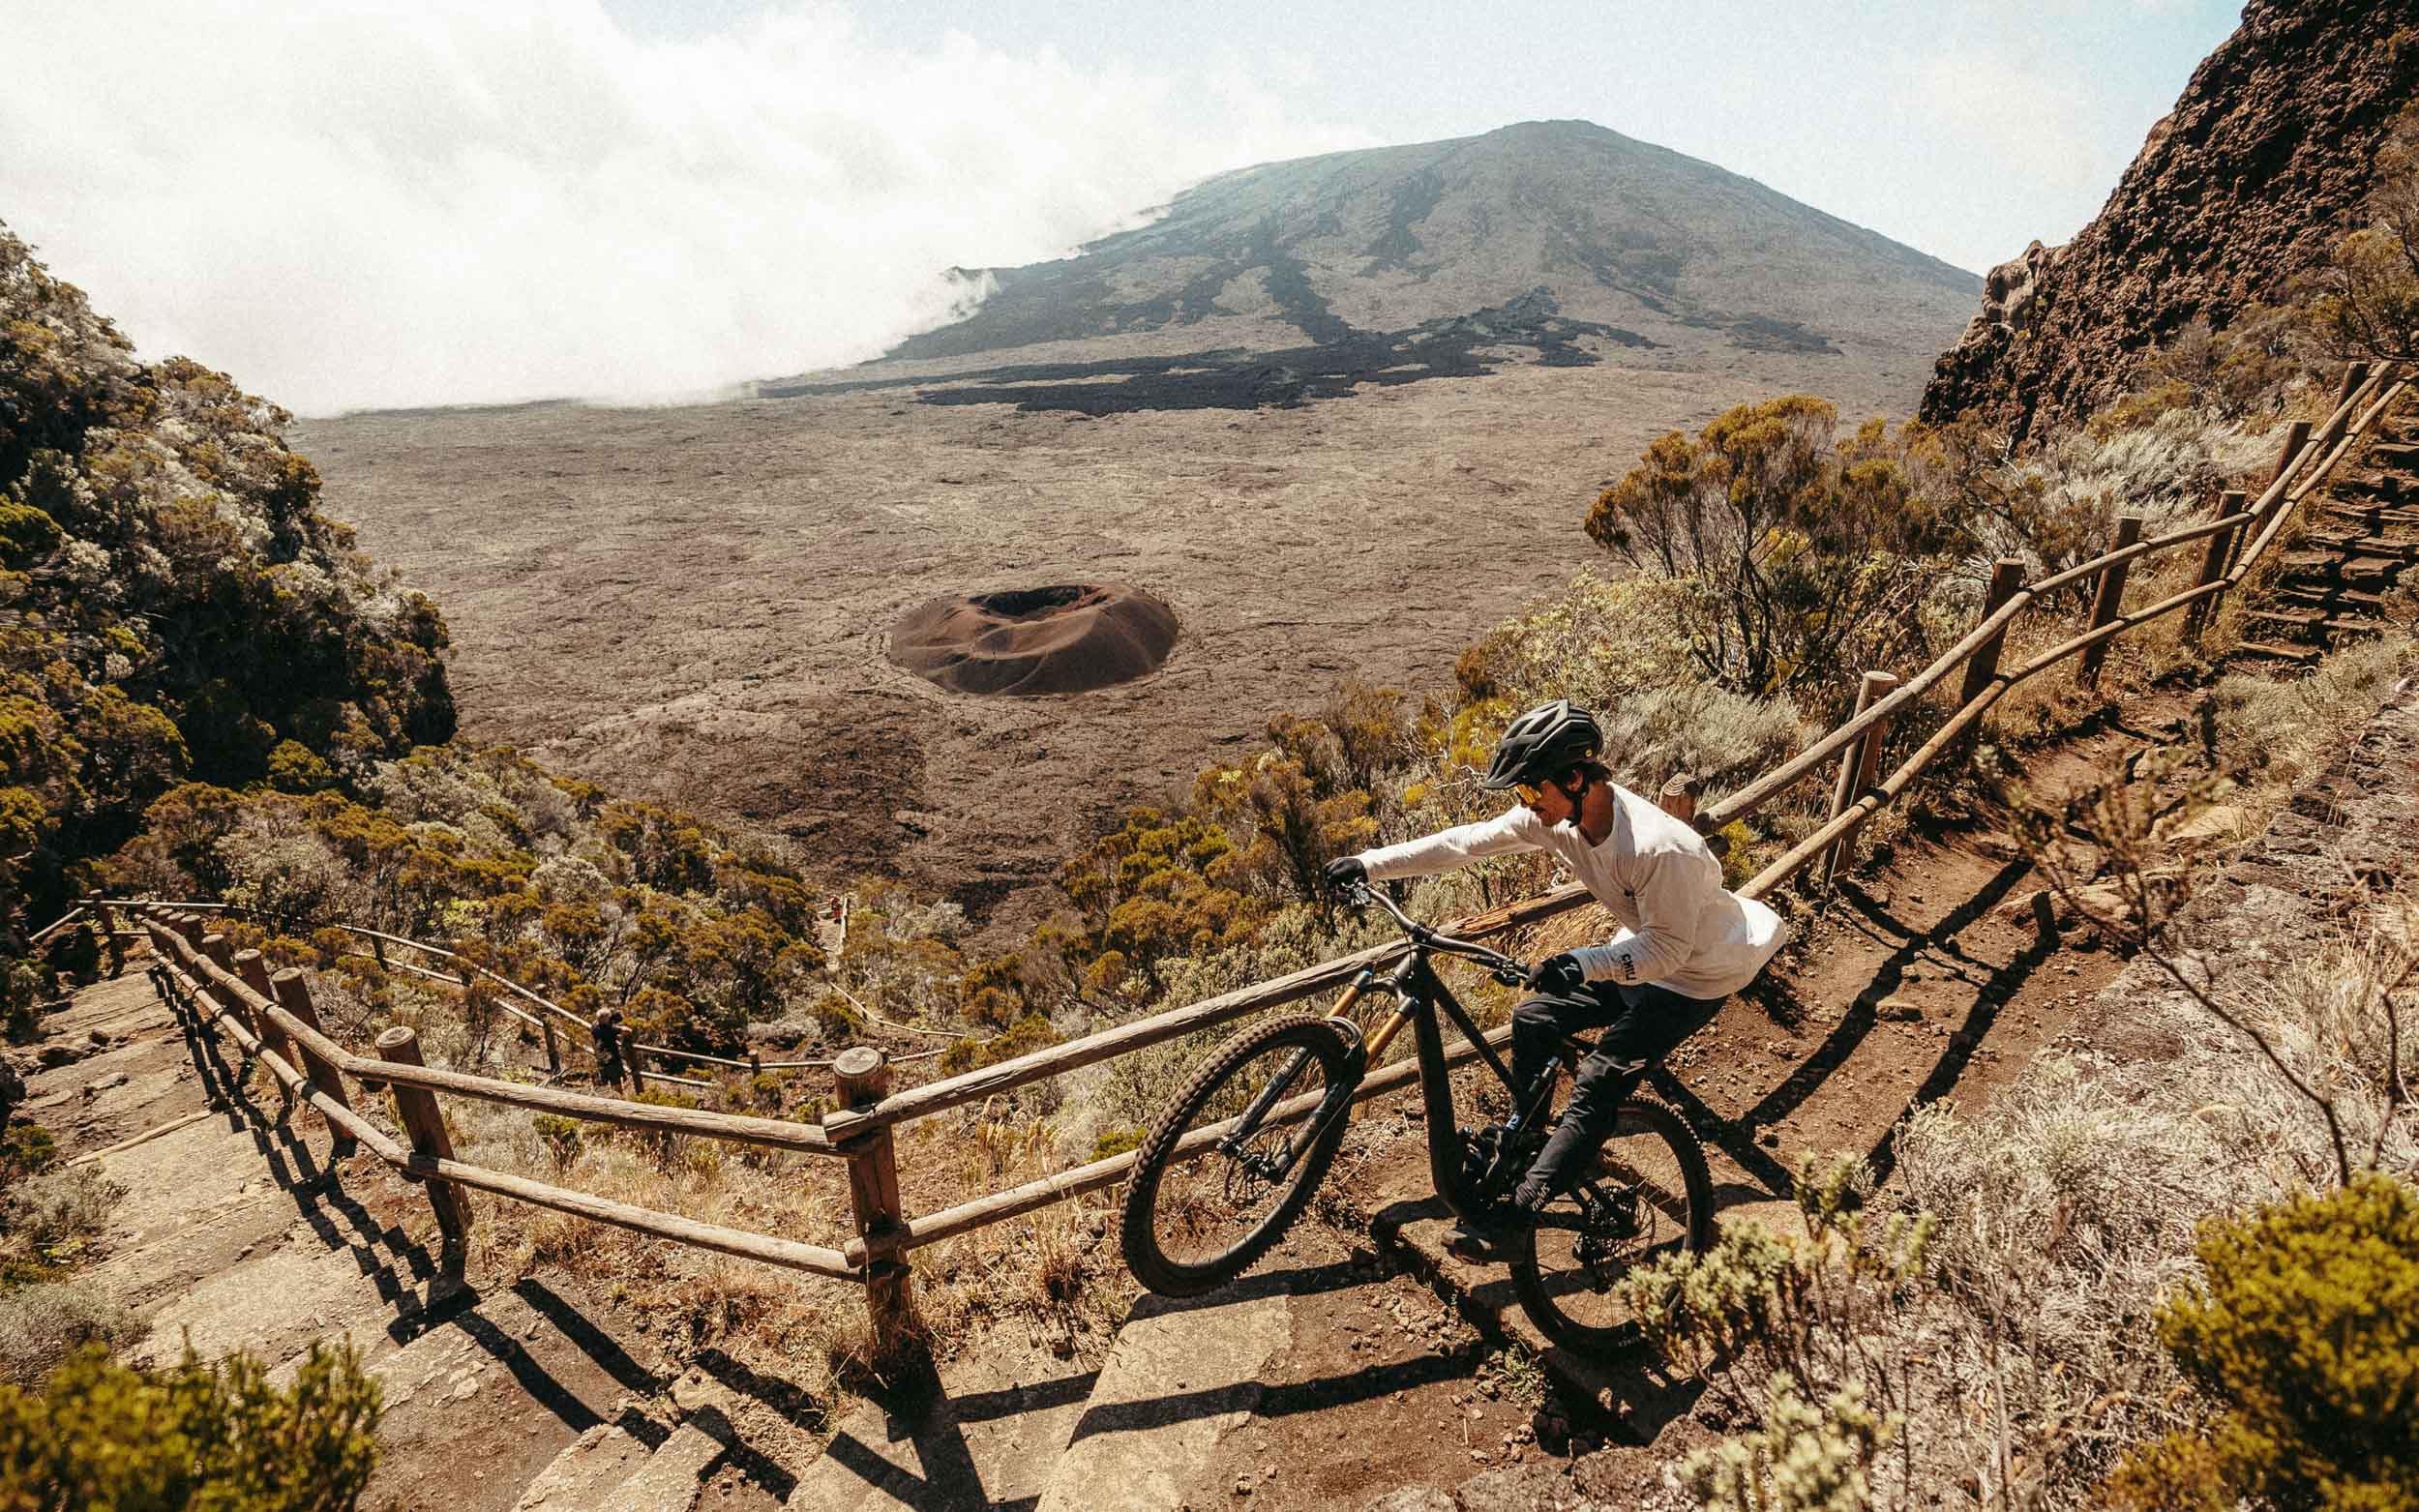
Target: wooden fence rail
{"x":859,"y":1129}
{"x":560,"y":1014}
{"x":219,"y":999}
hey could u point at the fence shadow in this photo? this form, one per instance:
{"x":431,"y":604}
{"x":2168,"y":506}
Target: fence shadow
{"x":423,"y":1288}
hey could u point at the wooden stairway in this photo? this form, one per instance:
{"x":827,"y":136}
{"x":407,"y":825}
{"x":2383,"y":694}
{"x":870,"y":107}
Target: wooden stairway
{"x":2363,"y":542}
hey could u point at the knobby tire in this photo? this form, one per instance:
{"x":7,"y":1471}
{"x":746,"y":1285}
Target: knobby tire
{"x":1147,"y":1234}
{"x":1572,"y":1303}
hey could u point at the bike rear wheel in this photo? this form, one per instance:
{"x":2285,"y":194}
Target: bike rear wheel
{"x":1646,"y":1195}
{"x":1205,"y":1204}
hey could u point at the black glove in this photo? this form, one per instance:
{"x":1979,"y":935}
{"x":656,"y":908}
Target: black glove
{"x":1559,"y":975}
{"x":1345,"y":872}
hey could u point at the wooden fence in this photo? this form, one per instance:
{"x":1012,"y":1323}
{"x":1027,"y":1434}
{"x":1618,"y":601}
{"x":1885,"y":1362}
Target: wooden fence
{"x":549,"y":1015}
{"x":271,"y":1017}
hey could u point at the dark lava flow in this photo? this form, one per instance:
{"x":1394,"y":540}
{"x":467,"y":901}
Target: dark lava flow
{"x":1445,"y":348}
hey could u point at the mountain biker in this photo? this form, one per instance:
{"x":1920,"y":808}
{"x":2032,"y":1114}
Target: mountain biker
{"x":1684,"y":943}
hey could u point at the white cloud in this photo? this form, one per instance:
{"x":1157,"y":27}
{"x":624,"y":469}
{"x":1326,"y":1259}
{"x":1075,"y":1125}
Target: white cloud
{"x":2015,"y":112}
{"x":346,"y":204}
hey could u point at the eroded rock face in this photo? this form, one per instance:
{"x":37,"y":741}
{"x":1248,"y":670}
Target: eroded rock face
{"x":2264,"y":162}
{"x":1027,"y":641}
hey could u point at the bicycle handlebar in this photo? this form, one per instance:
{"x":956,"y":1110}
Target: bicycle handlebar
{"x":1503,"y":968}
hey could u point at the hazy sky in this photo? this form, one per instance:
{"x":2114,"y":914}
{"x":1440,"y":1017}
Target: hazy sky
{"x":348,"y":203}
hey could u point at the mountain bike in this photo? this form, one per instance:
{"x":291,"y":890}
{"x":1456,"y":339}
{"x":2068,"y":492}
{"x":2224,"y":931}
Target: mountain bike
{"x":1231,"y":1163}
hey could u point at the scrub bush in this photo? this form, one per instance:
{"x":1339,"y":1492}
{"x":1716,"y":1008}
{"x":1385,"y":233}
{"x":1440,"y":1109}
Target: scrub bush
{"x":210,"y":1437}
{"x":2304,"y":1337}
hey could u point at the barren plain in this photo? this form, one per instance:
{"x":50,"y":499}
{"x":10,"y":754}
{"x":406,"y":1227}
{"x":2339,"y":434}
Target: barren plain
{"x":693,"y":603}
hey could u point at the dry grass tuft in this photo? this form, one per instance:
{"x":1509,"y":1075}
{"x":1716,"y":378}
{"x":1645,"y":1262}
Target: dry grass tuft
{"x":40,"y":1324}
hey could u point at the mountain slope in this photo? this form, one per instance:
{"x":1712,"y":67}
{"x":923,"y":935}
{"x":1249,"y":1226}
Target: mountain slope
{"x":1559,"y":217}
{"x":2244,"y":186}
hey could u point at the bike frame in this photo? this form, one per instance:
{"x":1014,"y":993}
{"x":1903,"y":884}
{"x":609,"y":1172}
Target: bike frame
{"x":1418,"y":995}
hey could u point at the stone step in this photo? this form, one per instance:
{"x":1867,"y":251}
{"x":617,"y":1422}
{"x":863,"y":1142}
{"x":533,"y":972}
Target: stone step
{"x":1419,"y":1233}
{"x":983,"y":1431}
{"x":2293,"y":625}
{"x":671,"y":1479}
{"x":2341,"y":626}
{"x":2332,"y":596}
{"x":597,"y":1461}
{"x":2336,"y":567}
{"x":2381,"y":486}
{"x":2365,"y":546}
{"x":2300,"y":655}
{"x":608,"y":1470}
{"x":1181,"y":1376}
{"x":2372,"y":517}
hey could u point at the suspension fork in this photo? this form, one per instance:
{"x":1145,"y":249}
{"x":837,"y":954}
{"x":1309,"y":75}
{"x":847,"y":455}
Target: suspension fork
{"x":1336,"y":1101}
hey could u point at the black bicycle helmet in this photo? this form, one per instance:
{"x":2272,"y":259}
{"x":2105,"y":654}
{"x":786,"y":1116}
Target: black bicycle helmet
{"x":1543,"y":743}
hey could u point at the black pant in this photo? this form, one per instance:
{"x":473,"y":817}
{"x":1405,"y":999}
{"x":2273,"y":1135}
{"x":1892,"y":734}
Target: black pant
{"x":1642,"y":1024}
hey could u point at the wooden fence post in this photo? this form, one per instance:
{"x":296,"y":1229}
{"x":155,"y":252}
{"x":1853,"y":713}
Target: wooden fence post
{"x":554,"y":1054}
{"x":635,"y":1059}
{"x":2356,"y":373}
{"x":1859,"y":765}
{"x":862,"y":1074}
{"x":416,"y":1107}
{"x":254,"y":972}
{"x":2213,"y":565}
{"x":2106,"y":604}
{"x":293,"y":994}
{"x":2007,"y":574}
{"x":221,"y":954}
{"x":2296,"y":435}
{"x":109,"y":925}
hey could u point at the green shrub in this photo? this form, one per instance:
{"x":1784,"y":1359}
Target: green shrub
{"x":294,"y":767}
{"x":561,"y":1135}
{"x":214,"y":1438}
{"x":2304,"y":1337}
{"x":655,"y":1142}
{"x":56,"y":1212}
{"x":1807,"y":1457}
{"x":25,"y":1147}
{"x":1768,"y":1305}
{"x":43,"y":1324}
{"x":20,"y":999}
{"x":1792,"y":555}
{"x":1025,"y":1035}
{"x":1116,"y":1142}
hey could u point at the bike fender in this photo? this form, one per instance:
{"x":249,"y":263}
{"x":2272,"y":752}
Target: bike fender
{"x":1356,"y":1050}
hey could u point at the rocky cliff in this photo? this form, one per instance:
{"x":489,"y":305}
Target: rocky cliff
{"x":2240,"y":189}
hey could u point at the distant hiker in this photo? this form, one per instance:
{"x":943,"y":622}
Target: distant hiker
{"x":607,"y":1032}
{"x":1684,"y":943}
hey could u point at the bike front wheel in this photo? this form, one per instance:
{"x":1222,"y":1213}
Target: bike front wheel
{"x":1226,"y":1169}
{"x":1646,"y":1195}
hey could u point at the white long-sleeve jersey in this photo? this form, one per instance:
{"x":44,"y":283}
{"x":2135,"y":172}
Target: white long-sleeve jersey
{"x":1680,"y":928}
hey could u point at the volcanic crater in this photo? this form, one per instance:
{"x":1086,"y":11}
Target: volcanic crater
{"x":1069,"y":637}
